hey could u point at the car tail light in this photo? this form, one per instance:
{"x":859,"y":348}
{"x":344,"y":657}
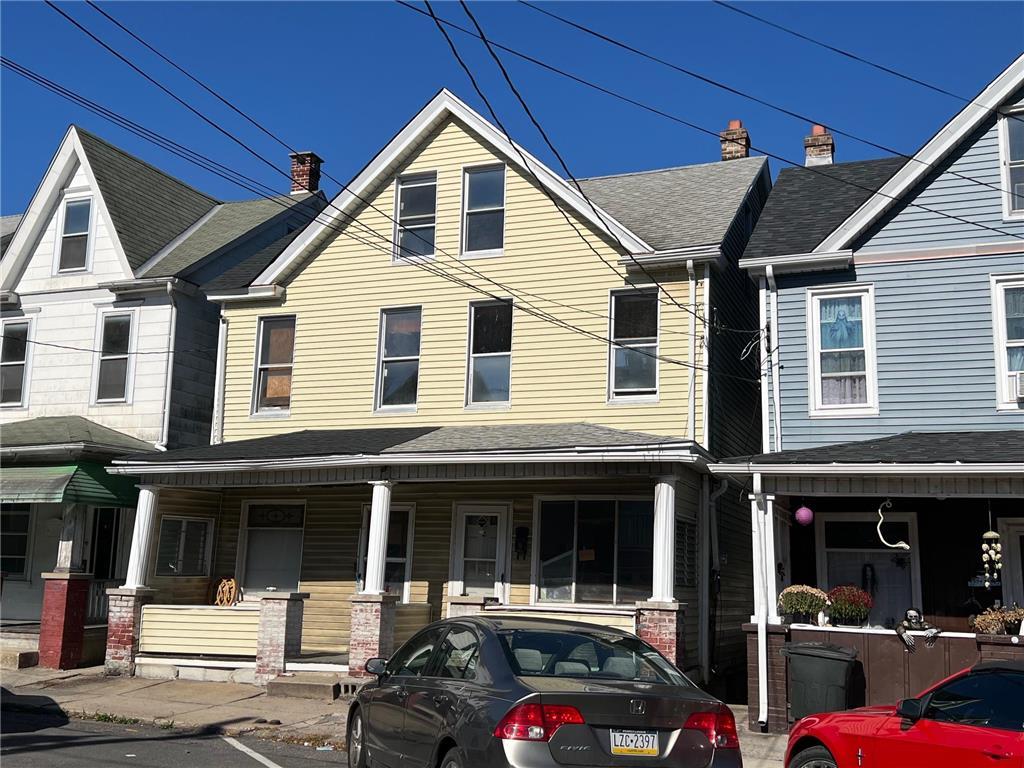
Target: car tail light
{"x":719,"y":726}
{"x":536,"y":722}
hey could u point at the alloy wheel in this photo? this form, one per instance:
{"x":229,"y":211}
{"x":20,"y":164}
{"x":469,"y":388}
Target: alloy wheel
{"x":355,"y":741}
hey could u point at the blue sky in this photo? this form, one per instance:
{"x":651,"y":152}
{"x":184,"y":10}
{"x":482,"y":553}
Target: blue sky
{"x":341,"y":78}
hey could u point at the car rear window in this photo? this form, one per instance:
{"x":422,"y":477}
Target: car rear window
{"x":586,"y":654}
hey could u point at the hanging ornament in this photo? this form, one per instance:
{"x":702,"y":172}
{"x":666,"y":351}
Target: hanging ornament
{"x":804,"y":515}
{"x":991,"y":553}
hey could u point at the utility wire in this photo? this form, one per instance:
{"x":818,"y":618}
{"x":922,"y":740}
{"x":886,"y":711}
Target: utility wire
{"x":742,"y":94}
{"x":544,"y":316}
{"x":702,"y":129}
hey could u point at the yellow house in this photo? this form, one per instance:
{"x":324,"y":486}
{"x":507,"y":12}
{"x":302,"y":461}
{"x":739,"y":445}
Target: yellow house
{"x":469,"y":385}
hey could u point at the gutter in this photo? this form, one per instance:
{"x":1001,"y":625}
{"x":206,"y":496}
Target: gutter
{"x":798,"y":262}
{"x":249,"y":293}
{"x":773,"y":297}
{"x":147,"y":285}
{"x":890,"y":469}
{"x":700,"y":254}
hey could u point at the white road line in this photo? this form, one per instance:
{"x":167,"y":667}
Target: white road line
{"x":250,"y":752}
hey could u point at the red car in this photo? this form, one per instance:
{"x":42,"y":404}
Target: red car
{"x":972,"y":719}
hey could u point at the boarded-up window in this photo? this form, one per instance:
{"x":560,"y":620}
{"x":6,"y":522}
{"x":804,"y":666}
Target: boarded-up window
{"x":274,"y":368}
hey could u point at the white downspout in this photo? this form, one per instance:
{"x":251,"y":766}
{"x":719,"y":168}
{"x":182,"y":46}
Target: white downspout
{"x":165,"y":430}
{"x":776,"y":386}
{"x":760,"y":599}
{"x":763,"y":325}
{"x":708,"y":555}
{"x":691,"y":416}
{"x":217,"y":423}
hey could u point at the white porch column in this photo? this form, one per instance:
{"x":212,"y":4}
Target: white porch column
{"x":762,"y":523}
{"x":377,"y":539}
{"x":771,"y":572}
{"x":72,"y":539}
{"x":138,"y":558}
{"x":664,"y":540}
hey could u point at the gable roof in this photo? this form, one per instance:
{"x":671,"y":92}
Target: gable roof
{"x":148,"y":207}
{"x":8,"y":224}
{"x":444,"y":106}
{"x":242,"y":275}
{"x":680,"y":207}
{"x":945,"y":141}
{"x":807,"y":204}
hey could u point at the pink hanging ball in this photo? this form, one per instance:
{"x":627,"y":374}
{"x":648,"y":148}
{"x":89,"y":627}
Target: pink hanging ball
{"x":804,"y":516}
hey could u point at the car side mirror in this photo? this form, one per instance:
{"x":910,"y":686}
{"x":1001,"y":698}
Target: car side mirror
{"x":376,"y":666}
{"x":911,"y":709}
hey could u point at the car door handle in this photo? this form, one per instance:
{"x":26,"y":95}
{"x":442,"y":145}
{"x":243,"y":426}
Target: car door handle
{"x":440,"y":700}
{"x":402,"y":694}
{"x":997,"y":753}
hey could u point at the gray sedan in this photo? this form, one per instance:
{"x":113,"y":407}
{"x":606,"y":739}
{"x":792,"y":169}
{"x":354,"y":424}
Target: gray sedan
{"x":532,"y":693}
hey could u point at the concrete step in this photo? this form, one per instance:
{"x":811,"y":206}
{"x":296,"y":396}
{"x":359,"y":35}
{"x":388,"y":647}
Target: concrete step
{"x":322,"y":686}
{"x":15,"y":659}
{"x":19,"y":641}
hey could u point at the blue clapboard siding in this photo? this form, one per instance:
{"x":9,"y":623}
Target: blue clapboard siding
{"x":945,"y":195}
{"x":936,"y":356}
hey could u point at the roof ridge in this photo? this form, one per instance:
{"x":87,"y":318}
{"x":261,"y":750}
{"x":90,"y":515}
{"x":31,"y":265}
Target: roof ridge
{"x":79,"y":129}
{"x":668,"y":169}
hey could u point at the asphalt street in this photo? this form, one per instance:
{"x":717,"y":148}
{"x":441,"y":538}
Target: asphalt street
{"x":31,"y":740}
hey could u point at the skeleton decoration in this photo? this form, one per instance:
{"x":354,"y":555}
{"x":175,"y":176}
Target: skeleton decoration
{"x":913,"y":620}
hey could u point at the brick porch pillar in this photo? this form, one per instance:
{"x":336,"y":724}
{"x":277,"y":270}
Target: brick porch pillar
{"x":124,"y":622}
{"x":778,"y":699}
{"x":62,"y":622}
{"x":280,"y":633}
{"x":466,"y":605}
{"x":372,"y":631}
{"x":661,"y":624}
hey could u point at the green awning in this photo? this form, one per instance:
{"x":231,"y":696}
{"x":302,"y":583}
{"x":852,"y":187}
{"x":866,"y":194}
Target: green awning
{"x":82,"y":483}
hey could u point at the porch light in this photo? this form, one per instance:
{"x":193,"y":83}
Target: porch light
{"x":804,"y":515}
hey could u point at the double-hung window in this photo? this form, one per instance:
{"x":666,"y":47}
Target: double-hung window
{"x":842,"y":354}
{"x":74,"y":240}
{"x":273,"y":535}
{"x":595,"y":551}
{"x":399,"y":369}
{"x":115,"y":348}
{"x":417,"y":215}
{"x":483,"y":230}
{"x":14,"y":539}
{"x":1012,"y":153}
{"x":1008,"y":321}
{"x":490,"y":352}
{"x":184,"y":547}
{"x":274,"y":366}
{"x":634,"y":351}
{"x":13,"y":362}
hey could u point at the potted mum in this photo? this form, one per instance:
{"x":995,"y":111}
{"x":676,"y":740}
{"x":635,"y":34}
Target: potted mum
{"x":801,"y":604}
{"x":849,"y":605}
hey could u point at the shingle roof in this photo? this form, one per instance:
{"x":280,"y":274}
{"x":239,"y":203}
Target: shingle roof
{"x":148,"y":207}
{"x":400,"y":440}
{"x":8,"y":224}
{"x":228,"y":226}
{"x":59,"y":430}
{"x":996,"y":447}
{"x":677,"y":207}
{"x":807,"y":204}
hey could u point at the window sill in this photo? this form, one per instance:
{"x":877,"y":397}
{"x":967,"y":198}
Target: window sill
{"x":391,"y":410}
{"x":637,"y":400}
{"x":122,"y":401}
{"x":409,"y":261}
{"x":491,"y":254}
{"x":271,"y":415}
{"x":14,"y":406}
{"x":1009,"y":407}
{"x":852,"y":413}
{"x":76,"y":271}
{"x":504,"y":406}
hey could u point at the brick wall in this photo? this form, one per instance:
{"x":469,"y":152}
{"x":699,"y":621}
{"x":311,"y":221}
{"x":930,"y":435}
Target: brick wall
{"x":373,"y":630}
{"x":62,"y":621}
{"x":778,"y":702}
{"x":280,"y":634}
{"x":662,"y":625}
{"x":124,"y":620}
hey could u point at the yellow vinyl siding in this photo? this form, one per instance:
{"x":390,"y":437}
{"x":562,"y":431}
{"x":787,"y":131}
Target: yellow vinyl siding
{"x":557,"y":375}
{"x":210,"y":630}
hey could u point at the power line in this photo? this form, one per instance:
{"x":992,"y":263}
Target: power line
{"x":743,"y":94}
{"x":539,"y":314}
{"x":702,"y":129}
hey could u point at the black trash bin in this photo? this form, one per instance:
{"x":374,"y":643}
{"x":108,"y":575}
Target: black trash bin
{"x":820,"y":678}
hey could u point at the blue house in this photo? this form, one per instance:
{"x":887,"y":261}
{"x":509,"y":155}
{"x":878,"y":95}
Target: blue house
{"x":892,"y":397}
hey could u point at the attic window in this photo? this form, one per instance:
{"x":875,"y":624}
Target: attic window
{"x":1013,"y":163}
{"x":74,"y":241}
{"x":417,"y":209}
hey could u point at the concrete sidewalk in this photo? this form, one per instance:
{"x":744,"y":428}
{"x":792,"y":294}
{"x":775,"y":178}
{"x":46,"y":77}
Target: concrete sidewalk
{"x":760,"y":750}
{"x":226,"y":708}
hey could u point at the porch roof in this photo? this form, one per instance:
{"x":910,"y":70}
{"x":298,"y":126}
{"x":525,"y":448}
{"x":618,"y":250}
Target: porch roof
{"x":404,"y":444}
{"x":908,"y":452}
{"x":84,"y":483}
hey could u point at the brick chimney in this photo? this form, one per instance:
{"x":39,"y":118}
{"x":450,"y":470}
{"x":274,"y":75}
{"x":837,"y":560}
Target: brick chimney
{"x":735,"y":141}
{"x":819,"y":147}
{"x":305,"y":172}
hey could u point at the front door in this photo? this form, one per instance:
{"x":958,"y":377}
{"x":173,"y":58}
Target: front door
{"x":105,"y":530}
{"x":480,"y":550}
{"x":1011,"y":536}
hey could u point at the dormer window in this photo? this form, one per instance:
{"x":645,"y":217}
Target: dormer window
{"x":74,"y":241}
{"x":417,"y":214}
{"x":1012,"y":151}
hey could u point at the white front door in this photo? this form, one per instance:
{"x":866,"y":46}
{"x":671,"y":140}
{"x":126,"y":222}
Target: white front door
{"x":1011,"y":536}
{"x":481,"y":533}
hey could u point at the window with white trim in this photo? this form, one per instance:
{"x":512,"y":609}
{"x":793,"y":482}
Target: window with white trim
{"x":416,"y":215}
{"x":490,"y":352}
{"x":596,"y":551}
{"x":274,"y":365}
{"x":184,"y":547}
{"x":397,"y":552}
{"x":74,"y":240}
{"x":273,"y":545}
{"x":1012,"y":151}
{"x":634,"y":355}
{"x":842,"y":354}
{"x":1008,"y":321}
{"x":483,"y":227}
{"x":13,"y":362}
{"x":399,"y":367}
{"x":115,"y":348}
{"x":15,"y":521}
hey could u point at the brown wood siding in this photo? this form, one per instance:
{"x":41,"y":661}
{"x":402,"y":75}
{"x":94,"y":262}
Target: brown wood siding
{"x":735,"y":598}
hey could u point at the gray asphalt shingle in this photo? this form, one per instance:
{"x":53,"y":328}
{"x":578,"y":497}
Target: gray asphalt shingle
{"x":8,"y":225}
{"x":58,"y":430}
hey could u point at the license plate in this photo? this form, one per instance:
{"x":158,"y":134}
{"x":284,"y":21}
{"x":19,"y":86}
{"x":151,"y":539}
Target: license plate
{"x":635,"y":743}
